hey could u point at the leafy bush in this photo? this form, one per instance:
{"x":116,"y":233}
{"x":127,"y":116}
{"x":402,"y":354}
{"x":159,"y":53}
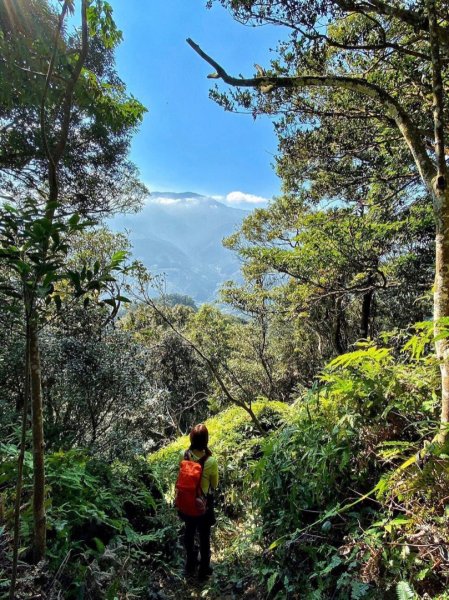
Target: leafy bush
{"x":336,"y":490}
{"x":95,"y":511}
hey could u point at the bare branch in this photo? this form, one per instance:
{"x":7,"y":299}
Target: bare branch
{"x":392,"y":107}
{"x":68,"y":96}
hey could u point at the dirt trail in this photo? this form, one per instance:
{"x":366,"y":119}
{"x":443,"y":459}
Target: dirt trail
{"x":218,"y":586}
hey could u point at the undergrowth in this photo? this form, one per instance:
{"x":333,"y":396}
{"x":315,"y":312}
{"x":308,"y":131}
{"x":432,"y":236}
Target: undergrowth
{"x":345,"y":497}
{"x":103,"y":520}
{"x":352,"y":498}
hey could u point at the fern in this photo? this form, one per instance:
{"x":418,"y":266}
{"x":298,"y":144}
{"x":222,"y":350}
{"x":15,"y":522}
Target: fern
{"x":404,"y":591}
{"x":359,"y":357}
{"x":359,"y":590}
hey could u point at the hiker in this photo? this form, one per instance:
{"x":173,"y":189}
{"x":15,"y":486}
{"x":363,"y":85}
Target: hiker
{"x":198,"y":477}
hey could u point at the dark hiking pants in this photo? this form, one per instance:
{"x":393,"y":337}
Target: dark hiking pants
{"x":202,"y":525}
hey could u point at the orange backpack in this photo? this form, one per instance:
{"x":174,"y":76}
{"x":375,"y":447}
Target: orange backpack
{"x":189,"y":499}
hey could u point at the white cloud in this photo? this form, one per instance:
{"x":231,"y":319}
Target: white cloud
{"x":185,"y":199}
{"x":164,"y":201}
{"x":242,"y":198}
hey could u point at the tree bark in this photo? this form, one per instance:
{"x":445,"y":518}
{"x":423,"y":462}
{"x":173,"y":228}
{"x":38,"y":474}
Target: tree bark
{"x":441,"y":301}
{"x":392,"y":107}
{"x":338,"y":323}
{"x":26,"y":394}
{"x":54,"y":156}
{"x":367,"y":300}
{"x":39,"y":542}
{"x":440,"y":193}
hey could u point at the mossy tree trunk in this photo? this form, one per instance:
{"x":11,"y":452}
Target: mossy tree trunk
{"x":441,"y":299}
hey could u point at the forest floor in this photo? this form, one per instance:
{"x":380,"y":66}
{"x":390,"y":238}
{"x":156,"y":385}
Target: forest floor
{"x":231,"y":579}
{"x":225,"y":583}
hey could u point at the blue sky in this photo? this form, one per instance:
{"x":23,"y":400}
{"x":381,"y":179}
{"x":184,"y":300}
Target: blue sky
{"x":187,"y":142}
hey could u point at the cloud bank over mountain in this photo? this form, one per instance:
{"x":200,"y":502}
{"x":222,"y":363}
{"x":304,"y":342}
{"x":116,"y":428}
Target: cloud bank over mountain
{"x":180,"y":235}
{"x":234,"y":199}
{"x":243,"y":200}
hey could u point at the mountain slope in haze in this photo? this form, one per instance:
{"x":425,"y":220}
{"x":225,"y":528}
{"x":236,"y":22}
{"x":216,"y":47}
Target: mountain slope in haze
{"x":180,"y":234}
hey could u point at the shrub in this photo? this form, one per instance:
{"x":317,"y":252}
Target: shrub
{"x":95,"y":510}
{"x":333,"y":488}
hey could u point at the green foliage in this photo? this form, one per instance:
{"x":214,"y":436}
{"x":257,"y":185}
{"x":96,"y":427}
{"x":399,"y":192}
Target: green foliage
{"x":96,"y":393}
{"x":34,"y":265}
{"x":317,"y":272}
{"x":97,"y":173}
{"x":329,"y":502}
{"x":101,"y":23}
{"x":352,"y":438}
{"x":235,"y":443}
{"x":178,"y":299}
{"x":94,"y":508}
{"x":404,"y":591}
{"x":378,"y":381}
{"x":180,"y":381}
{"x":346,"y":495}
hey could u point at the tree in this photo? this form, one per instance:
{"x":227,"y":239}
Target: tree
{"x":348,"y":271}
{"x":61,"y":95}
{"x":60,"y":109}
{"x":178,"y":378}
{"x":394,"y":56}
{"x":208,"y":338}
{"x":263,"y":344}
{"x":95,"y":389}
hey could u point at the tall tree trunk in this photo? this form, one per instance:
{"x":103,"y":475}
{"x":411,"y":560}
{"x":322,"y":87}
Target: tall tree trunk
{"x":366,"y":314}
{"x":339,"y":342}
{"x":39,"y":541}
{"x":26,"y":394}
{"x":441,"y":300}
{"x":440,"y":192}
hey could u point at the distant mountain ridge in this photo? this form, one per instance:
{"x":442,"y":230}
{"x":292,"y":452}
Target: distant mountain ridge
{"x":180,"y":234}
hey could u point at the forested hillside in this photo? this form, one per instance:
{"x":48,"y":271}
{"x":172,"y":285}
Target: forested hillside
{"x":321,"y":371}
{"x":179,"y":235}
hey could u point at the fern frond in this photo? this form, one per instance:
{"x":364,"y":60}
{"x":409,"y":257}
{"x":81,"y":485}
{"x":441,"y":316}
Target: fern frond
{"x":404,"y":591}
